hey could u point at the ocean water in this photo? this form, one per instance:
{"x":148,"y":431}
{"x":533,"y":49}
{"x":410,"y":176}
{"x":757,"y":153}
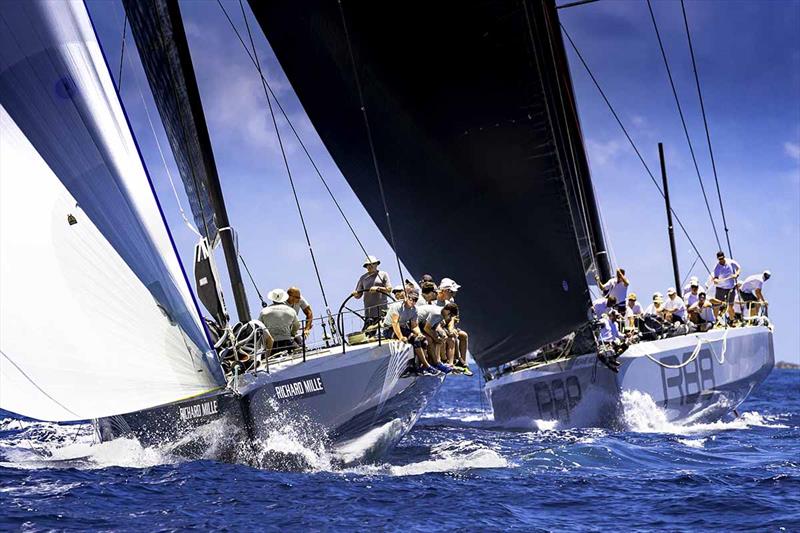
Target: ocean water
{"x":457,"y":470}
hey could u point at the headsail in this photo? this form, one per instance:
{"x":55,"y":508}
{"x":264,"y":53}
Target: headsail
{"x":158,"y":30}
{"x":465,"y":102}
{"x":96,"y":314}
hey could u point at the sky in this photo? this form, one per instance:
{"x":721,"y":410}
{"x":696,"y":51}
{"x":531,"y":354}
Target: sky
{"x":748,"y":58}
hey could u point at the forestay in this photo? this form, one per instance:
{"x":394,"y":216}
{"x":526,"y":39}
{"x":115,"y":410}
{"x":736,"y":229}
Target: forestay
{"x":96,"y":314}
{"x":475,"y":134}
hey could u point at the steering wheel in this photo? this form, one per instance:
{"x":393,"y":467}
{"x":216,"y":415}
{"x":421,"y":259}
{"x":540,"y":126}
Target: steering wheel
{"x":340,"y":314}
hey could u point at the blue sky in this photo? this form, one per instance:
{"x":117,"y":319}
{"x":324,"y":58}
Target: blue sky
{"x":748,"y":55}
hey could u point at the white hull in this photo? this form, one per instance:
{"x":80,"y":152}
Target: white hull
{"x":581,"y":392}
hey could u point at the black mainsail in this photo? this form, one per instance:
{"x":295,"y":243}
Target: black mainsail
{"x":476,"y":136}
{"x":158,"y":31}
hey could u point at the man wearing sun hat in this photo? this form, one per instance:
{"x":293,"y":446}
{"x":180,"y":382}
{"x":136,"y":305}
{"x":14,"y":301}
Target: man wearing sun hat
{"x":374,"y":285}
{"x":280,"y":320}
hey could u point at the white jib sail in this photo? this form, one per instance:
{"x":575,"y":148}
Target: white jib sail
{"x":81,"y":336}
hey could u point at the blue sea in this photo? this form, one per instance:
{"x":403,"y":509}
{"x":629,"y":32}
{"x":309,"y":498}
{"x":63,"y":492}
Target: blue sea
{"x":457,"y":470}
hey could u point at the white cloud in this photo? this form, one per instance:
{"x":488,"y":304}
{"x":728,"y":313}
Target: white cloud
{"x":602,"y":153}
{"x":792,"y":149}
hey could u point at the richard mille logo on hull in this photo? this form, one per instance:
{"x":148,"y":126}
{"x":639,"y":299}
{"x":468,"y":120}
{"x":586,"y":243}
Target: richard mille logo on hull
{"x":198,"y":410}
{"x":302,"y":387}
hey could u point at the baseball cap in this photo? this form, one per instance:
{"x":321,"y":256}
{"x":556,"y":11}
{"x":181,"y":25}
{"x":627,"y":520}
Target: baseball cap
{"x":671,"y":290}
{"x":448,"y":283}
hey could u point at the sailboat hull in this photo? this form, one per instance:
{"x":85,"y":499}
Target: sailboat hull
{"x":692,"y":378}
{"x":355,"y":404}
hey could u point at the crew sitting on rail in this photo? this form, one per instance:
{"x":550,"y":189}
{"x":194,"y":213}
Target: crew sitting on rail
{"x":281,"y":321}
{"x":657,"y":307}
{"x":438,"y":325}
{"x":701,"y":313}
{"x":427,"y":293}
{"x":447,"y":294}
{"x":751,"y":291}
{"x":601,"y":305}
{"x":725,"y":273}
{"x":399,"y":293}
{"x":298,"y":303}
{"x":374,"y":285}
{"x":633,"y":312}
{"x":402,"y":323}
{"x":693,"y":281}
{"x":674,"y":307}
{"x":616,"y":287}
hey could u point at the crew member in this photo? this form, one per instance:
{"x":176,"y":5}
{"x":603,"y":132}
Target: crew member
{"x":692,"y":296}
{"x":281,"y":321}
{"x":374,"y":285}
{"x":298,"y":303}
{"x":725,"y":273}
{"x":633,"y":312}
{"x":701,"y":313}
{"x":616,"y":287}
{"x":402,"y":323}
{"x":674,"y":307}
{"x":751,"y":291}
{"x":602,"y":305}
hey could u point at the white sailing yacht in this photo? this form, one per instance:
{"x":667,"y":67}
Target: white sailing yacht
{"x":97,"y":316}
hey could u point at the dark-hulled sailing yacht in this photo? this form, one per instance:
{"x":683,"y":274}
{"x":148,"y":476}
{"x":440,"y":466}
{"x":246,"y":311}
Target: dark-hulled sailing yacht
{"x":473,"y":126}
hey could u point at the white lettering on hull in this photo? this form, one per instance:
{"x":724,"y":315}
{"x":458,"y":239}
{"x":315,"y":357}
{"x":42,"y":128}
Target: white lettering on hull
{"x":198,"y":410}
{"x":302,"y":387}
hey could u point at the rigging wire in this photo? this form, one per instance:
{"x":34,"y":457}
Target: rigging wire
{"x":283,"y":154}
{"x":683,"y":122}
{"x":294,"y":131}
{"x":253,"y":281}
{"x":705,"y":124}
{"x":122,"y":51}
{"x":370,"y":140}
{"x":633,"y":144}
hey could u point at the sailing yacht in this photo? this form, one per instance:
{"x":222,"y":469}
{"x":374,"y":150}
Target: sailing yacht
{"x":98,"y":316}
{"x":472,"y":123}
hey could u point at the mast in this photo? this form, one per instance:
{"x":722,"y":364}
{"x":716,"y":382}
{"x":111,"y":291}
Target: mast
{"x":160,"y":37}
{"x":670,"y":229}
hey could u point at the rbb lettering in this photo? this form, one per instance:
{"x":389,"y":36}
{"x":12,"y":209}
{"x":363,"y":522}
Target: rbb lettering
{"x":685,"y":385}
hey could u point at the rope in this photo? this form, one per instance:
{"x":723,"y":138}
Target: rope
{"x":705,"y":124}
{"x":294,"y":131}
{"x":683,"y":122}
{"x":370,"y":140}
{"x":283,"y":154}
{"x":696,"y":352}
{"x":633,"y":144}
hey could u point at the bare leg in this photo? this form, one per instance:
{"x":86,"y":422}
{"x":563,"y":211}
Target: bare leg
{"x":450,"y":347}
{"x":463,"y":345}
{"x":423,"y":362}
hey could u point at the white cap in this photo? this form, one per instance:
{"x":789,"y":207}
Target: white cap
{"x":448,"y":283}
{"x":371,"y":260}
{"x":671,"y":290}
{"x":657,"y":296}
{"x":278,"y":296}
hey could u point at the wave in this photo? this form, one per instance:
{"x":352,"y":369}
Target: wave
{"x":641,"y":414}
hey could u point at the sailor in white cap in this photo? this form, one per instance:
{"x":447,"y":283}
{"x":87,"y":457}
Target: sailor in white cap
{"x":280,"y":320}
{"x":374,"y":285}
{"x":657,"y":307}
{"x":751,"y":291}
{"x":447,"y":294}
{"x":674,"y":307}
{"x":693,"y":294}
{"x":688,"y":287}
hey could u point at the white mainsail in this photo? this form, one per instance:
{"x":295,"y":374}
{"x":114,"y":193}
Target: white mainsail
{"x":91,"y":324}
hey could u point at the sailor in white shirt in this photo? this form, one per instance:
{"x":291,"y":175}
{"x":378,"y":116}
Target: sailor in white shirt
{"x":298,"y":303}
{"x":692,"y":296}
{"x":688,"y":287}
{"x":674,"y":307}
{"x":725,"y":273}
{"x":701,"y":313}
{"x":616,"y":287}
{"x":633,"y":310}
{"x":602,"y":305}
{"x":751,"y":291}
{"x":657,"y":307}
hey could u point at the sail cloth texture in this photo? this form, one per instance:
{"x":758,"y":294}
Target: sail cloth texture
{"x":463,"y":105}
{"x":167,"y":63}
{"x":96,"y":315}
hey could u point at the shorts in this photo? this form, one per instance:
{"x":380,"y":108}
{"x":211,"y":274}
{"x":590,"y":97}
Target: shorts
{"x":725,"y":295}
{"x":417,"y":341}
{"x":749,"y":297}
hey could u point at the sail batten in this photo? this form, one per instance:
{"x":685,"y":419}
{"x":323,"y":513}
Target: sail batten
{"x":479,"y":160}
